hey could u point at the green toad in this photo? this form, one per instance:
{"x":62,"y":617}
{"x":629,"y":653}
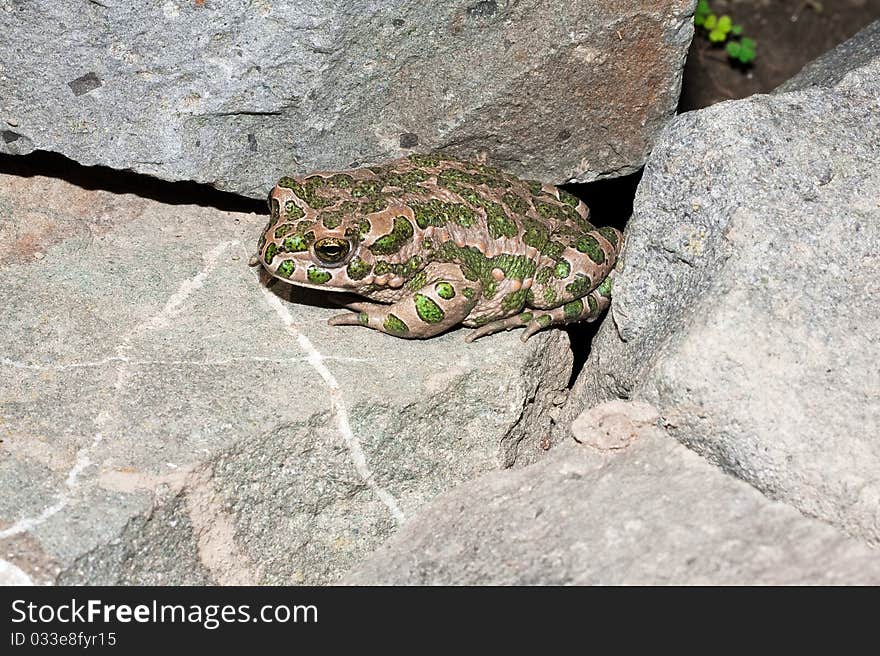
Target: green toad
{"x":435,"y":242}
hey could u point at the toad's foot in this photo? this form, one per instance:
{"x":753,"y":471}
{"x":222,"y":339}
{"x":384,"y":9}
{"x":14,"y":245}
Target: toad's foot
{"x":588,"y":308}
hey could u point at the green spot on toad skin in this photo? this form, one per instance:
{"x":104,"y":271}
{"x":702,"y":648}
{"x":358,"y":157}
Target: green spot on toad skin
{"x":514,"y":300}
{"x":372,"y":205}
{"x":562,"y":269}
{"x":407,"y":181}
{"x":366,"y":188}
{"x":604,"y":288}
{"x":331,"y":220}
{"x":341,"y":180}
{"x":534,"y":187}
{"x":550,"y":211}
{"x":404,"y":269}
{"x":282,"y":230}
{"x":364,"y":319}
{"x":438,"y":213}
{"x":554,"y":250}
{"x":499,"y":224}
{"x":567,"y":198}
{"x":425,"y":160}
{"x":296,"y":244}
{"x":543,"y":275}
{"x":306,"y":192}
{"x":286,"y":268}
{"x":573,"y":310}
{"x":395,"y":326}
{"x":544,"y":320}
{"x":610,"y":234}
{"x":476,"y":266}
{"x":468,"y":292}
{"x":394,"y":240}
{"x":580,"y":286}
{"x":562,"y":213}
{"x":455,"y":177}
{"x":418,"y":281}
{"x":594,"y":305}
{"x":318,"y":276}
{"x":590,"y":245}
{"x":516,"y":203}
{"x":292,"y":210}
{"x":525,"y":317}
{"x":467,"y":194}
{"x":359,"y":230}
{"x":427,"y":309}
{"x":482,"y":320}
{"x":357,"y":269}
{"x":271,"y":251}
{"x":488,"y":175}
{"x":549,"y":295}
{"x":517,"y":267}
{"x":444,"y":290}
{"x":536,"y":234}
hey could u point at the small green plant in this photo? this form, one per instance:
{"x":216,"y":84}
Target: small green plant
{"x":722,"y":30}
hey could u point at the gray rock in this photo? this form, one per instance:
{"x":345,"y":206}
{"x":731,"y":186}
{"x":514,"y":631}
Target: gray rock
{"x":237,"y":93}
{"x":651,"y":513}
{"x":166,"y":419}
{"x":748,"y":302}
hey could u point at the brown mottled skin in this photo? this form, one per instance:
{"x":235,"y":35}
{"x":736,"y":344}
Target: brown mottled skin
{"x":438,"y":242}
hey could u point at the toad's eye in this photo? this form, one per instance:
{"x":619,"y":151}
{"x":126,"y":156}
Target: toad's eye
{"x":332,"y":250}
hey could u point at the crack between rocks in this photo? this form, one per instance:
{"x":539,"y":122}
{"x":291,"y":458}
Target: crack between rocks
{"x":117,"y":181}
{"x":253,"y":112}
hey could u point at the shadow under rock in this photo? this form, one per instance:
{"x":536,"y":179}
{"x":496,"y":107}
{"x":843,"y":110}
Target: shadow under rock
{"x":104,"y":178}
{"x":611,"y":204}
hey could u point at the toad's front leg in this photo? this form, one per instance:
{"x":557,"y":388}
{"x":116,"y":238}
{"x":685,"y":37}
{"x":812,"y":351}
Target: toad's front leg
{"x":443,"y":299}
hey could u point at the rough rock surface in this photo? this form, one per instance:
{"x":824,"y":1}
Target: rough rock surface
{"x":748,"y":305}
{"x":651,"y":513}
{"x":166,"y":419}
{"x":238,"y":93}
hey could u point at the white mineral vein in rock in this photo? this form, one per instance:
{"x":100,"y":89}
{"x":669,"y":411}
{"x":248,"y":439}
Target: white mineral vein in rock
{"x":316,"y":360}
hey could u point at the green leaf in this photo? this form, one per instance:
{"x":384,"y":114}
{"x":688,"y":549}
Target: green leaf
{"x":717,"y":36}
{"x":742,"y":51}
{"x":724,"y":24}
{"x":747,"y":56}
{"x":711,"y":22}
{"x":736,"y":30}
